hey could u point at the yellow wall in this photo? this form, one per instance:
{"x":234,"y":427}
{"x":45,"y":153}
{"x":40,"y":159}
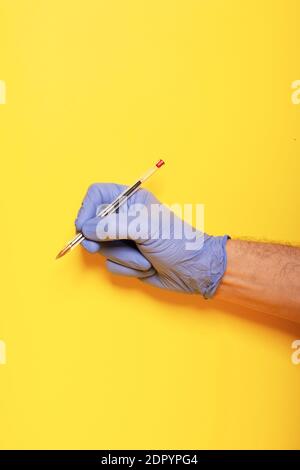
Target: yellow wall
{"x":96,"y":91}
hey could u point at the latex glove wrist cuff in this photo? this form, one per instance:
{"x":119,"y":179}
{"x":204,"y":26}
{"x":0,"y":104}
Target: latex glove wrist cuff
{"x":212,"y":265}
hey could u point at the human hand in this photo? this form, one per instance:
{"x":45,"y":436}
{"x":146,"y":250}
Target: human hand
{"x":137,"y":244}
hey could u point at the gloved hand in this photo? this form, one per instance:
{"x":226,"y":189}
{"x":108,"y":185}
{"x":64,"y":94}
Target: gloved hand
{"x":151,"y":256}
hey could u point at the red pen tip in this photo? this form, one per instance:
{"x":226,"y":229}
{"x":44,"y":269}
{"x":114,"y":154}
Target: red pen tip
{"x":160,"y":163}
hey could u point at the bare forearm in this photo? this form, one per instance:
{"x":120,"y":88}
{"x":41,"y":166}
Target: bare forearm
{"x":264,"y":277}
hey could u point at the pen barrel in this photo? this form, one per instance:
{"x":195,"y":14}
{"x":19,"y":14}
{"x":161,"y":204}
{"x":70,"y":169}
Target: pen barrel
{"x":122,"y":198}
{"x":148,"y":174}
{"x":111,"y":208}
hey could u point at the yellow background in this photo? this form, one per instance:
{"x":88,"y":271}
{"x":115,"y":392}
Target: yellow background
{"x":97,"y":91}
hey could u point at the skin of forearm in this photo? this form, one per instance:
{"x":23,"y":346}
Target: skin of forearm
{"x":263,"y":277}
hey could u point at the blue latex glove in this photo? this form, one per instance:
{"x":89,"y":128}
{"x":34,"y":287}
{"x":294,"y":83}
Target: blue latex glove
{"x":164,"y":263}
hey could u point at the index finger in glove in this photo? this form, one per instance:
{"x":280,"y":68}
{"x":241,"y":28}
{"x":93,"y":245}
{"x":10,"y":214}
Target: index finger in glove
{"x":97,"y":194}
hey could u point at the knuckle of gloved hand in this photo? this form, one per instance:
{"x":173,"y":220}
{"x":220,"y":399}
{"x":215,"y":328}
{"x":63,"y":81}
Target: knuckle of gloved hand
{"x":92,"y":190}
{"x":91,"y":247}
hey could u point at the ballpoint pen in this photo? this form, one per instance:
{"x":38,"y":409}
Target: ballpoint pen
{"x":112,"y":207}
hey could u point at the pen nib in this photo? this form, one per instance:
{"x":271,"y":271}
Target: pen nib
{"x":63,"y":252}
